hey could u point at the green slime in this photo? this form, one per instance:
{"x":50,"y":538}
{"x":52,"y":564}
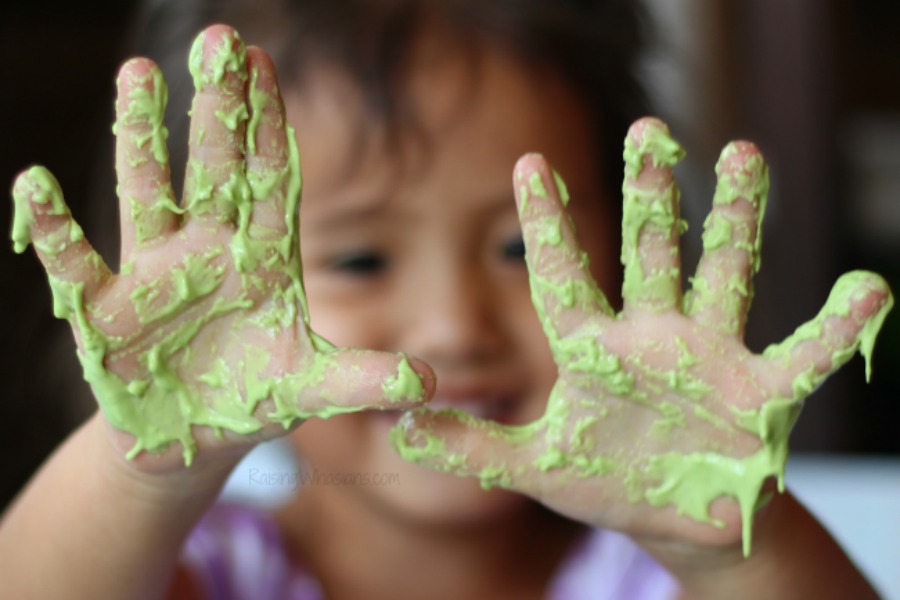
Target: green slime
{"x":162,"y":407}
{"x":654,"y":209}
{"x":688,"y":481}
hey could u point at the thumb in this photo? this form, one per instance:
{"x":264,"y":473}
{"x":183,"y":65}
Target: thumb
{"x":453,"y":441}
{"x":343,"y":380}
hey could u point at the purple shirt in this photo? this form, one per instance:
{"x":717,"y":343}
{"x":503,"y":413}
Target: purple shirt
{"x":236,"y":553}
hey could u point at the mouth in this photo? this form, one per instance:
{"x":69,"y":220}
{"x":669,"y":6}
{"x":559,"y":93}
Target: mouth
{"x":502,"y":409}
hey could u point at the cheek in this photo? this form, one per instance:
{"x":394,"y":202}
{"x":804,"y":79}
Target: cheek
{"x":527,"y":338}
{"x":607,"y":272}
{"x":598,"y":236}
{"x":347,"y":319}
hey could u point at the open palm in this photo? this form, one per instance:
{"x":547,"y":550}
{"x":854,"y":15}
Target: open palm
{"x":660,"y":412}
{"x":205,"y":327}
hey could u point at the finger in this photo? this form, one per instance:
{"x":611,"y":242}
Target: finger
{"x":849,"y":321}
{"x":273,"y":165}
{"x":651,"y":225}
{"x":455,"y":442}
{"x":43,"y":219}
{"x":343,"y":380}
{"x":216,"y":187}
{"x":723,"y":287}
{"x":147,"y":203}
{"x":562,"y":287}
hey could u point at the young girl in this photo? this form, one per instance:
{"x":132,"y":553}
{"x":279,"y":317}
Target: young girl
{"x":653,"y":422}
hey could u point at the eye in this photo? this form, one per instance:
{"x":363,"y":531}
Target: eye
{"x":514,"y":249}
{"x":360,"y":263}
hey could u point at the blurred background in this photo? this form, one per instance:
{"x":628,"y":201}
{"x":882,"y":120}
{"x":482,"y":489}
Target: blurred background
{"x":815,"y":83}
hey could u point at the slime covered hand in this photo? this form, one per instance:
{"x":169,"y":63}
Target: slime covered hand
{"x":206,"y":323}
{"x":659,"y":412}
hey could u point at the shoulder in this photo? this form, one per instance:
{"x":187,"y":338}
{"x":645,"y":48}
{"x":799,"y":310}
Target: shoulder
{"x":607,"y":565}
{"x":237,"y":552}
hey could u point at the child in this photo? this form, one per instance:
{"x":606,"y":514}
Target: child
{"x":656,"y":423}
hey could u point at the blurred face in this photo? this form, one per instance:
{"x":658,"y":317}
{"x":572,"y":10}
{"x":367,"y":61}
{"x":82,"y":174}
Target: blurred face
{"x":416,"y":247}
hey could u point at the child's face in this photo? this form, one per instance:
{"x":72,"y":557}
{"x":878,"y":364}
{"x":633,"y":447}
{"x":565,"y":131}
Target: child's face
{"x":418,"y":249}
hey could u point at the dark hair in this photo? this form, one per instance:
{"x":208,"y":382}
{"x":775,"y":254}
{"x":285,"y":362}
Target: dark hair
{"x":593,"y":44}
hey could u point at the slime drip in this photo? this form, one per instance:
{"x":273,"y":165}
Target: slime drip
{"x":405,"y":384}
{"x":157,"y":401}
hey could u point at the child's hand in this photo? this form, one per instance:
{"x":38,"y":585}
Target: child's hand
{"x":660,"y":413}
{"x":206,"y":323}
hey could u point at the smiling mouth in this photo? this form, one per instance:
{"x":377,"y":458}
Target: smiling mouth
{"x":502,"y":410}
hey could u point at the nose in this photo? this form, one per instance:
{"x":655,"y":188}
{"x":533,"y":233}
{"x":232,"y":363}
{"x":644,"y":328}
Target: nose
{"x":453,"y":320}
